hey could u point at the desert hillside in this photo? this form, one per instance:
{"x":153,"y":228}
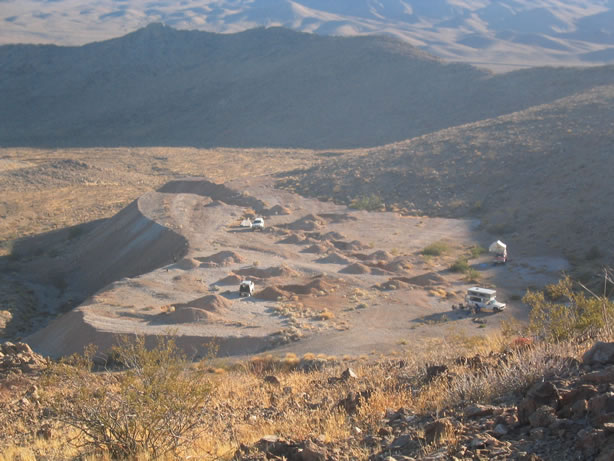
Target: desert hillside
{"x":536,"y":177}
{"x":262,"y":87}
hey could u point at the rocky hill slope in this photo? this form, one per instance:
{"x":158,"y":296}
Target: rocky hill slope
{"x":536,"y":177}
{"x":262,"y":87}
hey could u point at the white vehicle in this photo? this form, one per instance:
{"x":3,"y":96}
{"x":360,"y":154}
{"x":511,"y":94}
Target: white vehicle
{"x":246,"y":288}
{"x":483,"y":298}
{"x":499,"y":249}
{"x":246,"y":223}
{"x":258,"y":224}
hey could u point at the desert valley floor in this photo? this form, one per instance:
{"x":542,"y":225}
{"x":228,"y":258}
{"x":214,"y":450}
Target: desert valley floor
{"x":329,"y":279}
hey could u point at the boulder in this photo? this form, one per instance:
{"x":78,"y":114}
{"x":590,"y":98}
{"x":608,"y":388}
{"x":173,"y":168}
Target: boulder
{"x":478,"y":411}
{"x":543,"y":416}
{"x":438,"y":430}
{"x":312,"y":452}
{"x":601,"y":404}
{"x":601,"y":353}
{"x":540,"y":394}
{"x":600,"y":377}
{"x":353,"y":400}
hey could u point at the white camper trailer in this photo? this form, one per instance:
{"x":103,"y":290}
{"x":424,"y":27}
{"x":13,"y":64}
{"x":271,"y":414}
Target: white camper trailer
{"x":499,"y":249}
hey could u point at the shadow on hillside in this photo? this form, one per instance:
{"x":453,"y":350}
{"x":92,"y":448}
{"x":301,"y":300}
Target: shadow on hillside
{"x":53,"y":272}
{"x":35,"y":278}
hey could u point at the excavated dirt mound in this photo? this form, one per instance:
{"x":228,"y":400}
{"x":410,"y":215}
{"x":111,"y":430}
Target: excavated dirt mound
{"x":307,"y":223}
{"x":316,"y":286}
{"x":189,"y":315}
{"x":275,"y":271}
{"x":223,"y":258}
{"x":379,"y":255}
{"x":356,"y":268}
{"x":392,"y":284}
{"x":397,"y":265}
{"x":216,"y":192}
{"x":379,"y":271}
{"x":294,"y":239}
{"x":276,"y":210}
{"x":231,"y":279}
{"x":332,"y":235}
{"x":337,"y":217}
{"x":333,"y":258}
{"x":210,"y":303}
{"x":425,"y":280}
{"x":271,"y":294}
{"x":317,"y":248}
{"x":354,"y":245}
{"x":187,"y":264}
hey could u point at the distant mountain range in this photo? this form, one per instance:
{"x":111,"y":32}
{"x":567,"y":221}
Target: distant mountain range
{"x":499,"y":34}
{"x":262,"y":87}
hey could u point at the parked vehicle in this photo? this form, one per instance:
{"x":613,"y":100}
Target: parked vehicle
{"x":246,"y":288}
{"x":483,"y":298}
{"x":258,"y":224}
{"x":499,"y":249}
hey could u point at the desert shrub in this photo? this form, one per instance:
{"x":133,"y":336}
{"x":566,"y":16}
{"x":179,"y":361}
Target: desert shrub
{"x":471,"y":275}
{"x":461,"y":265}
{"x":436,"y":249}
{"x":525,"y":365}
{"x":153,"y":407}
{"x":476,"y":251}
{"x":367,"y":202}
{"x":563,"y":313}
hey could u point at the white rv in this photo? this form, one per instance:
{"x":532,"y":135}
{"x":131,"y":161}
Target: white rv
{"x":483,"y":298}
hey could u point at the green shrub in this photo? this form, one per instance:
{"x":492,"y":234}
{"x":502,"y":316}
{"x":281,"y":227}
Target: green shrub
{"x":370,"y":203}
{"x":436,"y":249}
{"x":461,"y":265}
{"x":153,"y":407}
{"x":477,"y":251}
{"x":563,"y":313}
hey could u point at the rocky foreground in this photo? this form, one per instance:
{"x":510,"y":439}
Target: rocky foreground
{"x":567,"y":413}
{"x":564,"y":417}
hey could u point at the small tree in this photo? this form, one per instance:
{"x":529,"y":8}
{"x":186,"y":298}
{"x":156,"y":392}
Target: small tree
{"x":152,"y":407}
{"x":563,"y":313}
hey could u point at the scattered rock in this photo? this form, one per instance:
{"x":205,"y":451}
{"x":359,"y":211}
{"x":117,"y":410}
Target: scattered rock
{"x":348,"y":374}
{"x":273,"y":380}
{"x":353,"y":400}
{"x":433,"y":371}
{"x":478,"y":411}
{"x":601,"y":353}
{"x":438,"y":430}
{"x":543,"y":416}
{"x":19,"y":357}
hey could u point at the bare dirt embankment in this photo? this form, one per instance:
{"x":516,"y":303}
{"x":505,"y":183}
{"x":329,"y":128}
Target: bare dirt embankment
{"x":328,"y":279}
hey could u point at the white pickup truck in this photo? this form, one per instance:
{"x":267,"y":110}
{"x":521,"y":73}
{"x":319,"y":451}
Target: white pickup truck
{"x":483,"y":298}
{"x":258,"y":224}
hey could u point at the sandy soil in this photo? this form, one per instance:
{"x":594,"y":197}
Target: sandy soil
{"x":328,"y":279}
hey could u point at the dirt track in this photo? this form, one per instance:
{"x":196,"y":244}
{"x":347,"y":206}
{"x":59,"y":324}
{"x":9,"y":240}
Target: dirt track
{"x":328,"y":279}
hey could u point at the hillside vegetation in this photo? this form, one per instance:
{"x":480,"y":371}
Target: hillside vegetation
{"x":263,"y":87}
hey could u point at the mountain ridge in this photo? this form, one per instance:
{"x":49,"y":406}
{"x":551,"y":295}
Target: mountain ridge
{"x":265,"y":87}
{"x":499,"y":34}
